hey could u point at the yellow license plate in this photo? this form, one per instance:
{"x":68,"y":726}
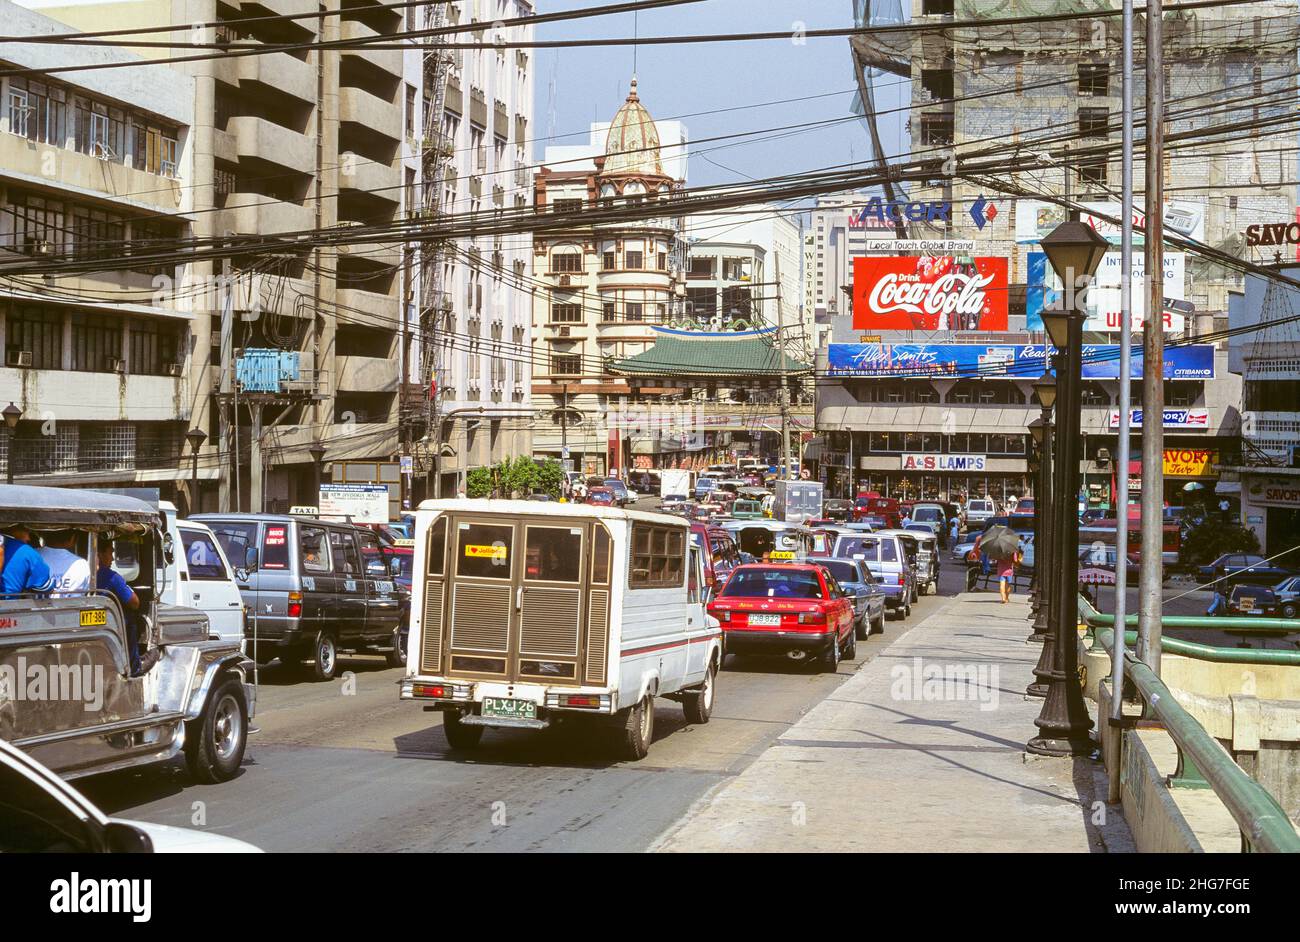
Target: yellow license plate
{"x":96,"y":616}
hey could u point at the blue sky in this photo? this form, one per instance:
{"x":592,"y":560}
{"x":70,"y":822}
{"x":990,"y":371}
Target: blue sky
{"x":678,"y":81}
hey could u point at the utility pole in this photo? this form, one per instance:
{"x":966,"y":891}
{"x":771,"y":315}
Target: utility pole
{"x":1120,"y":497}
{"x":1153,"y":356}
{"x":225,"y":444}
{"x":785,"y":380}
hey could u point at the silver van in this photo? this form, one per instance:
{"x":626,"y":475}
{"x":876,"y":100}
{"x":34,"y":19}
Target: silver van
{"x":886,"y":557}
{"x":313,"y":587}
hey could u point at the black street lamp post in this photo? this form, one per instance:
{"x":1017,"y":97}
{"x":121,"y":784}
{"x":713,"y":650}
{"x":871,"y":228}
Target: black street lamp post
{"x":1045,"y":553}
{"x":12,"y":414}
{"x":1074,"y":250}
{"x":196,"y":437}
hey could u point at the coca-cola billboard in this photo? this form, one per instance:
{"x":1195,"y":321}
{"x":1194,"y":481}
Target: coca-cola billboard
{"x":929,"y":293}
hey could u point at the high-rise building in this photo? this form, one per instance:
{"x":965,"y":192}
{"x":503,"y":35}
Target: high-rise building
{"x":96,"y":167}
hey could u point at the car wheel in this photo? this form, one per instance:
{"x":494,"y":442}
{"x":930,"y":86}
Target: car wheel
{"x":397,"y":656}
{"x":1289,"y":610}
{"x":830,"y":659}
{"x":878,"y":626}
{"x":460,"y":735}
{"x":214,"y":743}
{"x":698,"y":704}
{"x":862,"y":627}
{"x":851,"y":646}
{"x":637,"y":729}
{"x":324,"y":656}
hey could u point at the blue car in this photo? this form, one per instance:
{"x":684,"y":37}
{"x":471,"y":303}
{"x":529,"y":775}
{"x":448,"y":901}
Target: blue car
{"x":868,"y":597}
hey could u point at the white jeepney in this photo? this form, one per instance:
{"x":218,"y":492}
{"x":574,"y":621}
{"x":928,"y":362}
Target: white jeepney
{"x":525,"y":614}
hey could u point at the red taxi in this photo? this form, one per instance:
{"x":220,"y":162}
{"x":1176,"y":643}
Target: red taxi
{"x":796,"y":610}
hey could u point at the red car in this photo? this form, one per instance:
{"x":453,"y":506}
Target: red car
{"x":885,"y":507}
{"x":722,"y":555}
{"x":798,"y":610}
{"x":602,"y":496}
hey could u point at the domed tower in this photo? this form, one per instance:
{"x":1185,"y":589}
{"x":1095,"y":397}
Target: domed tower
{"x":635,"y":258}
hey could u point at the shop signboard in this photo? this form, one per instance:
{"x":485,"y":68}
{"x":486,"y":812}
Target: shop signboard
{"x":1275,"y":492}
{"x":930,"y":293}
{"x":1036,"y":218}
{"x":1014,"y":361}
{"x":1190,"y":463}
{"x":924,"y":462}
{"x":1173,"y":418}
{"x":363,"y":503}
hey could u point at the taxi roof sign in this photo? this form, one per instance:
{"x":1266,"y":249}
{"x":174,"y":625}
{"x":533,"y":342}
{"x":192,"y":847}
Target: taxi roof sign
{"x":304,"y":511}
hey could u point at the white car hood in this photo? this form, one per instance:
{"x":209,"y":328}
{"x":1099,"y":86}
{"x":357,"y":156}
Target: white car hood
{"x":171,"y":840}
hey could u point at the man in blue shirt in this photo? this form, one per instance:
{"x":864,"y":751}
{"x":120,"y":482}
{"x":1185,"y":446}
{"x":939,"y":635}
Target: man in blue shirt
{"x":24,"y":569}
{"x":108,"y":580}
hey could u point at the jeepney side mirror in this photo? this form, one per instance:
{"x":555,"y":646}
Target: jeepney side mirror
{"x":123,"y":838}
{"x":169,"y":548}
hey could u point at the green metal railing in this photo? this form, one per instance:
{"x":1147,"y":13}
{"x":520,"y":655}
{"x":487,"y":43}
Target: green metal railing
{"x":1204,"y":652}
{"x":1264,"y":825}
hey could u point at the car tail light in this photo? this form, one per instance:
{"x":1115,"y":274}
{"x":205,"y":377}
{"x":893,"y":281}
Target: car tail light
{"x":295,"y":604}
{"x":812,"y":618}
{"x":580,"y":700}
{"x":901,"y":579}
{"x":433,"y":691}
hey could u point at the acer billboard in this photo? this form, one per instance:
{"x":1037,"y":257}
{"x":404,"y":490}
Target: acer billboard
{"x":929,"y":293}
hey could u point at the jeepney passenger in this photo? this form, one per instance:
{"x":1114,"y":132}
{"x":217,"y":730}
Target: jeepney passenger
{"x":24,"y":569}
{"x":69,"y":572}
{"x":109,"y":580}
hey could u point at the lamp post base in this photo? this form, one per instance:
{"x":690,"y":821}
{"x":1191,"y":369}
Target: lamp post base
{"x":1045,"y":669}
{"x":1059,"y":748}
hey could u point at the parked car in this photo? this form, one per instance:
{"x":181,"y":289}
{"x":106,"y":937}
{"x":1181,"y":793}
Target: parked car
{"x":200,"y":576}
{"x":309,"y":591}
{"x":978,"y":510}
{"x":40,"y":813}
{"x":887,"y":560}
{"x":672,"y":503}
{"x":621,"y":493}
{"x":910,"y":541}
{"x":190,"y":693}
{"x":838,"y":509}
{"x":1288,"y":596}
{"x":604,"y":613}
{"x":796,"y":610}
{"x":1097,"y":566}
{"x":1243,"y":569}
{"x":931,"y":516}
{"x":1249,"y":600}
{"x":856,"y":579}
{"x":602,"y":496}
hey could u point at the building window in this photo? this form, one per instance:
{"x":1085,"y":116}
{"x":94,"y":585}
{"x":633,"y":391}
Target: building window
{"x":635,"y":311}
{"x":38,"y":111}
{"x":937,"y":129}
{"x":635,"y":259}
{"x":37,"y":332}
{"x":568,"y":262}
{"x":36,"y":226}
{"x":155,"y":348}
{"x":97,"y":234}
{"x":607,"y":312}
{"x":566,"y":313}
{"x":96,"y":343}
{"x":662,"y":263}
{"x":1094,"y":122}
{"x":608,"y":260}
{"x":1092,"y":171}
{"x":1094,"y":79}
{"x":703,"y":266}
{"x":566,"y":364}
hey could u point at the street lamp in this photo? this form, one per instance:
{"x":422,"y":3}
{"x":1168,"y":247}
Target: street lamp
{"x":317,"y":452}
{"x":1045,"y":393}
{"x":196,"y":437}
{"x":12,"y":414}
{"x":1074,"y":250}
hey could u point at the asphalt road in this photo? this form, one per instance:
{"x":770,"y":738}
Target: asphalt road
{"x":345,"y":766}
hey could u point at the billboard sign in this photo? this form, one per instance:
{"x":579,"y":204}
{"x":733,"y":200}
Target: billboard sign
{"x":1004,"y":361}
{"x":1102,"y":301}
{"x":364,"y":503}
{"x":1036,"y":218}
{"x":1189,"y":462}
{"x":929,"y":293}
{"x":1174,"y":418}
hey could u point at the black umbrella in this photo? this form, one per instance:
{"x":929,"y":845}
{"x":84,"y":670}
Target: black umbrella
{"x":1000,"y":542}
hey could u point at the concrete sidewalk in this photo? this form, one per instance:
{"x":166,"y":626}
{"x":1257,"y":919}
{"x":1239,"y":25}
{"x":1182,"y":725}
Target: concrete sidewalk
{"x":921,"y":750}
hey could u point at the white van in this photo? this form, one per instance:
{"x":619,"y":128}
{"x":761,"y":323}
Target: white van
{"x":199,"y":576}
{"x":527,"y":613}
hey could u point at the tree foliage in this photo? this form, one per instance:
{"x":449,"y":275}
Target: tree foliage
{"x":515,"y":478}
{"x":1211,"y":539}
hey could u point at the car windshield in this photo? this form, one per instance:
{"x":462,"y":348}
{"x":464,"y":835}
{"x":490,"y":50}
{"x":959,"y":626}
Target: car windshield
{"x":927,"y":514}
{"x":843,"y":571}
{"x":776,"y":583}
{"x":870,"y":548}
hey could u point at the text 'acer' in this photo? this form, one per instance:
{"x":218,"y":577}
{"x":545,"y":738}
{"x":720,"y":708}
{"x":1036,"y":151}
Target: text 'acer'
{"x":929,"y":293}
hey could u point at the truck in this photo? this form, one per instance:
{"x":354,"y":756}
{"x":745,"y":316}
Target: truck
{"x":797,"y":501}
{"x":675,"y":481}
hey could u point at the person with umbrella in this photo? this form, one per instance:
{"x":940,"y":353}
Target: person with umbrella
{"x":1002,"y":545}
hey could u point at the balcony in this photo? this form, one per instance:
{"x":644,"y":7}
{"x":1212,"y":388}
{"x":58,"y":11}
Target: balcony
{"x":368,"y":374}
{"x":454,"y":99}
{"x":274,"y":70}
{"x":255,"y":214}
{"x":260,"y":140}
{"x":371,"y":305}
{"x":285,"y":8}
{"x":358,"y":106}
{"x":478,"y":107}
{"x":500,"y":119}
{"x":521,"y":129}
{"x":20,"y":156}
{"x":378,"y":253}
{"x":100,"y":397}
{"x":380,"y":181}
{"x":385,"y":60}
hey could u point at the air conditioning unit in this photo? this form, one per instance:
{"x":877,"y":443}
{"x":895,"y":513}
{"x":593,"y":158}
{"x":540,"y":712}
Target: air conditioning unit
{"x":564,"y":281}
{"x":18,"y":358}
{"x":562,"y":331}
{"x":174,"y":369}
{"x":116,"y":366}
